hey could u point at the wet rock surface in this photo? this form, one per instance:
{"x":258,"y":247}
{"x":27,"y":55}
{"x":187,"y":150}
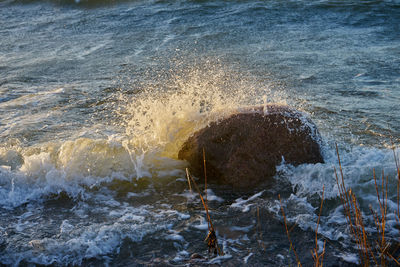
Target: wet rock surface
{"x":244,"y":149}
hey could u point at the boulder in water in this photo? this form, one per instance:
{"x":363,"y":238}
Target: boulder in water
{"x":244,"y":149}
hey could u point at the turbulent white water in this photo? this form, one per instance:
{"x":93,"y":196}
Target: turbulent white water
{"x":93,"y":173}
{"x":96,"y":100}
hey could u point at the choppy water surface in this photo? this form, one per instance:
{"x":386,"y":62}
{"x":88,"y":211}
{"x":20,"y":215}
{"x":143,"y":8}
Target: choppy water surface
{"x":96,"y":99}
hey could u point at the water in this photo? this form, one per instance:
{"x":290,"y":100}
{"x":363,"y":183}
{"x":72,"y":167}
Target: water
{"x":97,"y":97}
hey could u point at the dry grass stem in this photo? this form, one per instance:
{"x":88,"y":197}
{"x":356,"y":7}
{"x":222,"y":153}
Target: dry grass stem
{"x":319,"y":258}
{"x":380,"y":220}
{"x":259,"y":232}
{"x":211,"y":238}
{"x":379,"y":253}
{"x":188,"y":179}
{"x":398,"y":179}
{"x":202,"y":199}
{"x":288,"y":233}
{"x":205,"y":177}
{"x":354,"y":218}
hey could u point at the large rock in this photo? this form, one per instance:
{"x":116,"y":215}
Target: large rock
{"x":244,"y":149}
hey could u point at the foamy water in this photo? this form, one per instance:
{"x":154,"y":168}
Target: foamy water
{"x":96,"y":101}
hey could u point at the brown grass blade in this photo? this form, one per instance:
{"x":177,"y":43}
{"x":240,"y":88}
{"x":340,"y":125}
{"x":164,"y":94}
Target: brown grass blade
{"x":188,"y":179}
{"x":318,"y":259}
{"x":203,"y":202}
{"x":205,"y":178}
{"x":288,"y":234}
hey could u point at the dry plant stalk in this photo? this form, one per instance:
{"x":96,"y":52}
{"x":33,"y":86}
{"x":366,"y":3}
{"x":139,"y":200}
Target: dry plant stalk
{"x":353,"y":214}
{"x":380,"y":222}
{"x":398,"y":180}
{"x":259,"y":232}
{"x":187,"y":176}
{"x":288,"y":233}
{"x":211,"y":239}
{"x":380,"y":252}
{"x":205,"y":178}
{"x":319,"y":258}
{"x":398,"y":195}
{"x":354,"y":218}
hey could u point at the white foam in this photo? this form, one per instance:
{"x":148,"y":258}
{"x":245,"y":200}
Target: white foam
{"x":308,"y":180}
{"x":181,"y":255}
{"x":180,"y":215}
{"x":175,"y":237}
{"x":79,"y":240}
{"x":357,"y":163}
{"x":242,"y":204}
{"x":189,"y":195}
{"x":10,"y":158}
{"x":280,"y":256}
{"x":66,"y":227}
{"x":203,"y":225}
{"x":219,"y":259}
{"x":72,"y":166}
{"x":350,"y":257}
{"x":245,"y":259}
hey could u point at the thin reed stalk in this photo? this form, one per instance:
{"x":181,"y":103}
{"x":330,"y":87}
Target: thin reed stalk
{"x":398,"y":194}
{"x":259,"y":232}
{"x":205,"y":177}
{"x":319,"y":258}
{"x":380,"y":220}
{"x":288,"y":233}
{"x":398,"y":180}
{"x":211,"y":238}
{"x":368,"y":254}
{"x":354,"y":218}
{"x":188,"y":179}
{"x":380,"y":251}
{"x":201,"y":198}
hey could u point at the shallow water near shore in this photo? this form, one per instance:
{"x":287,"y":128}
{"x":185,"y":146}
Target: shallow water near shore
{"x":96,"y":99}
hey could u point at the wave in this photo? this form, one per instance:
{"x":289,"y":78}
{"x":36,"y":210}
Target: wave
{"x":116,"y":186}
{"x":152,"y":126}
{"x":155,"y":120}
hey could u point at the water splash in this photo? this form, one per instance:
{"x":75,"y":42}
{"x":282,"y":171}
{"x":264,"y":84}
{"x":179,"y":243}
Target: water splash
{"x":162,"y":117}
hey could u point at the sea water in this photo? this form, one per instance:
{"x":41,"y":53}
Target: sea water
{"x":96,"y":98}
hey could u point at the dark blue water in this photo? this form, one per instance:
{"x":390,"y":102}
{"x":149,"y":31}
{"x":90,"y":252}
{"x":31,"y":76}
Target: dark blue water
{"x":96,"y":98}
